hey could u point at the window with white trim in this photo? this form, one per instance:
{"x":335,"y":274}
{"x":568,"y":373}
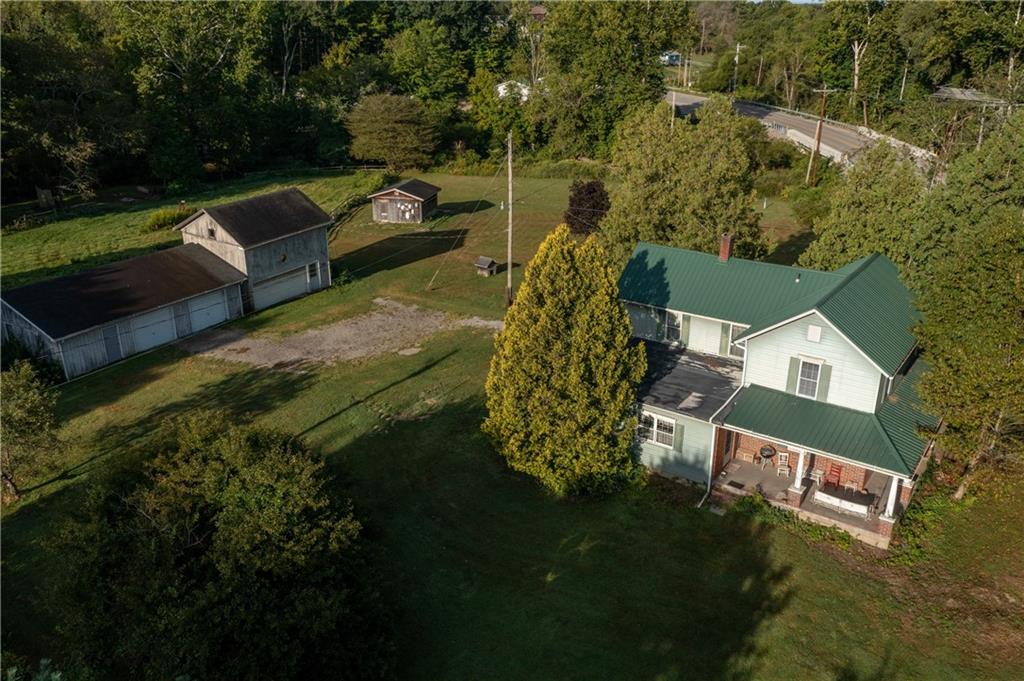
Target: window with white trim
{"x":736,"y":350}
{"x":656,"y":429}
{"x":807,"y":379}
{"x":312,"y":270}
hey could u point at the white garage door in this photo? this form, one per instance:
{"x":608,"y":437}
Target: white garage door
{"x":273,"y":291}
{"x":207,"y":310}
{"x":153,"y":328}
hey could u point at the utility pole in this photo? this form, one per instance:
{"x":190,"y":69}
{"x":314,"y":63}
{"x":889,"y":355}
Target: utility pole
{"x":508,"y":257}
{"x":672,"y":119}
{"x":736,"y":66}
{"x":686,"y":70}
{"x":760,"y":66}
{"x":812,"y":165}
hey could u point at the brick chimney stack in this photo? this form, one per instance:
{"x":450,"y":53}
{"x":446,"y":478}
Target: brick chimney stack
{"x":725,"y":247}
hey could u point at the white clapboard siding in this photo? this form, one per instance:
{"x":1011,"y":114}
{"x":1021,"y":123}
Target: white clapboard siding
{"x":854,"y":380}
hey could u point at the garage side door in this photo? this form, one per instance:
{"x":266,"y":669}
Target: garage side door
{"x":272,"y":291}
{"x":207,"y":310}
{"x":153,"y":328}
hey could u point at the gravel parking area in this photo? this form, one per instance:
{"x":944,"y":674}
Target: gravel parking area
{"x":391,"y":327}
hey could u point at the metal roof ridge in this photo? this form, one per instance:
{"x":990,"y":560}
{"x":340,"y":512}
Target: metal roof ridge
{"x":758,"y":263}
{"x":847,"y":278}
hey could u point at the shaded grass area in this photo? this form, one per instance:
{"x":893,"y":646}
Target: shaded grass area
{"x":491,"y":577}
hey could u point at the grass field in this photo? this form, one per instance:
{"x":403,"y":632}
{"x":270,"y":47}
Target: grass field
{"x":489,"y":576}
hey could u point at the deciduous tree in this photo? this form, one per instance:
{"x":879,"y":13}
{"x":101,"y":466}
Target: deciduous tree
{"x":873,"y":210}
{"x":588,"y":204}
{"x":392,"y":129}
{"x":226,"y":558}
{"x":683,"y":185}
{"x":28,"y":427}
{"x":561,"y":392}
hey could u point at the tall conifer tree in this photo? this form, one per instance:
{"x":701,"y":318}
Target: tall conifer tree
{"x":561,"y":392}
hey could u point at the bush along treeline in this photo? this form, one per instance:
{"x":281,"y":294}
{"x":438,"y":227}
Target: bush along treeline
{"x":883,"y":60}
{"x":101,"y":93}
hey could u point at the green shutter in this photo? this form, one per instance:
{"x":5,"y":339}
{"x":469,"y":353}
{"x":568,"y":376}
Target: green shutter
{"x":659,"y":333}
{"x":794,"y":371}
{"x":723,"y":340}
{"x":823,"y":380}
{"x":684,"y":330}
{"x":677,"y":440}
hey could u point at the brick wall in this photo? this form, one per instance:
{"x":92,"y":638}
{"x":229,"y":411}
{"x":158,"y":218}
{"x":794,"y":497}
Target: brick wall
{"x":850,"y":473}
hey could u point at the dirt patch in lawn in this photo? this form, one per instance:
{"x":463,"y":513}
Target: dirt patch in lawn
{"x":391,"y":327}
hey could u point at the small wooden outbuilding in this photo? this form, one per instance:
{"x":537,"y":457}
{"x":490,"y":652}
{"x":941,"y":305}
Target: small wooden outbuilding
{"x":486,"y":267}
{"x":407,"y":201}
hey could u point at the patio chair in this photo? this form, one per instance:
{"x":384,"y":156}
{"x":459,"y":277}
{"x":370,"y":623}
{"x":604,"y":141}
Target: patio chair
{"x":835,"y":474}
{"x":783,"y":467}
{"x":817,"y":475}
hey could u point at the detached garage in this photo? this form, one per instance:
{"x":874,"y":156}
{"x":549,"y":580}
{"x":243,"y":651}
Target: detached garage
{"x":90,"y":319}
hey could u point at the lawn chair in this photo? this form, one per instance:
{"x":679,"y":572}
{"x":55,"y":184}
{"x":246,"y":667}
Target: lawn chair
{"x":835,"y":474}
{"x":783,"y":467}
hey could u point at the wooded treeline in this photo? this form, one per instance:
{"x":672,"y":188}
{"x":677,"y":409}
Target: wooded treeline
{"x":885,"y":61}
{"x":100,"y":93}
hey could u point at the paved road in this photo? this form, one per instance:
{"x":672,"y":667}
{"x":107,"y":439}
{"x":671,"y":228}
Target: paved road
{"x":840,"y":138}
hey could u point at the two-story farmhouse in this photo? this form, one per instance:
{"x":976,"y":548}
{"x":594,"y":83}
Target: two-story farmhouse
{"x":237,"y":257}
{"x":795,"y":383}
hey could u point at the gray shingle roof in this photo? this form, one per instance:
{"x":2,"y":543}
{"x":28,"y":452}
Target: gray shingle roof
{"x":416,"y":188}
{"x":80,"y":301}
{"x":267,"y":217}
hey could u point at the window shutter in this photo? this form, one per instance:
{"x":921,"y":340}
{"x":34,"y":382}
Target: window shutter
{"x":684,"y":330}
{"x":823,"y":380}
{"x":660,"y":330}
{"x":794,"y":371}
{"x":723,"y":339}
{"x":677,"y":442}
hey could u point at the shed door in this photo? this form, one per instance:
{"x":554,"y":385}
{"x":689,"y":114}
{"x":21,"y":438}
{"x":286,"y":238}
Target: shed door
{"x":272,"y":291}
{"x":153,"y":328}
{"x":207,"y":310}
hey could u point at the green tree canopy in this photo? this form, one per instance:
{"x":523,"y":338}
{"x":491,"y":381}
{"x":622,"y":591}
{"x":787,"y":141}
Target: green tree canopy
{"x":873,"y":210}
{"x":28,"y":427}
{"x":973,"y":333}
{"x":426,"y":65}
{"x":602,"y":61}
{"x":561,"y":392}
{"x":683,"y":185}
{"x":392,"y":129}
{"x":227,"y":558}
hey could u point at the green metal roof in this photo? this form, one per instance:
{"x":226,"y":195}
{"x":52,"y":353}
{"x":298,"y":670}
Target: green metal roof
{"x":887,"y":440}
{"x":865,"y":300}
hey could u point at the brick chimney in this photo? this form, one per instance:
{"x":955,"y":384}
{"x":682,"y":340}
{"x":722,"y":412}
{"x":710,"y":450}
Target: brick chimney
{"x":725,"y":247}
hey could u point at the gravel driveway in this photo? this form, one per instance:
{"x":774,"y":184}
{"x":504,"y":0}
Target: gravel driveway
{"x":392,"y":327}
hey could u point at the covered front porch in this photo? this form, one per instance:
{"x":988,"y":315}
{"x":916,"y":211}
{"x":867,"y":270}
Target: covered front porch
{"x":861,"y":511}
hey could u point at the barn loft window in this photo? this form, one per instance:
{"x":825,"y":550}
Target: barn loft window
{"x":211,"y":232}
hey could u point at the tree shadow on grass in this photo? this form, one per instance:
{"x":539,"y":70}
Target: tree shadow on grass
{"x":243,"y":394}
{"x":789,"y":250}
{"x":464,"y":207}
{"x":494,"y":578}
{"x":398,"y":251}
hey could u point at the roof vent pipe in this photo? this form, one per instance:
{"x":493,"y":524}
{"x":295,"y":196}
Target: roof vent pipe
{"x":725,"y":247}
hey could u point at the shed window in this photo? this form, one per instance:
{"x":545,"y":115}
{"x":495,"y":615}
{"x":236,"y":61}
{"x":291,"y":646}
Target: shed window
{"x":284,"y":256}
{"x":807,"y":386}
{"x":211,"y":232}
{"x":656,"y":429}
{"x":313,"y":271}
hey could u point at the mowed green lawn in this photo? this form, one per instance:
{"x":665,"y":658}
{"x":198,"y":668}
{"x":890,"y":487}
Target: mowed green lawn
{"x":489,"y":576}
